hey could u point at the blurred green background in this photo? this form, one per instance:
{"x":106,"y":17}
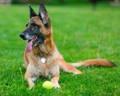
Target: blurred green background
{"x":55,"y":1}
{"x":80,"y":33}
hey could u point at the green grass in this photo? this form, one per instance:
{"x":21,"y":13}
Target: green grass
{"x":80,"y":34}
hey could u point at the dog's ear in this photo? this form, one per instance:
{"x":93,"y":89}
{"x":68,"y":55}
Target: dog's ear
{"x":44,"y":15}
{"x":32,"y":12}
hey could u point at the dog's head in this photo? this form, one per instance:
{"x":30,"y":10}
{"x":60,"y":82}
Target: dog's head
{"x":37,"y":28}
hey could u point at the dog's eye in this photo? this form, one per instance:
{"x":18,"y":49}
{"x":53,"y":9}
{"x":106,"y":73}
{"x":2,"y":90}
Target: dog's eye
{"x":33,"y":24}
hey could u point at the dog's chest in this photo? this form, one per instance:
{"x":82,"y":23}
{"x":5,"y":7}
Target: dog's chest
{"x":43,"y":60}
{"x":47,"y":66}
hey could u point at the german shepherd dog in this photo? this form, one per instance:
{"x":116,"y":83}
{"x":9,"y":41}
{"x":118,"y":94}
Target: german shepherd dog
{"x":41,"y":55}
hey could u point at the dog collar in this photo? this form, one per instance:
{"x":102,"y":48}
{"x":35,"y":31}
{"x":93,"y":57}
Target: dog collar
{"x":43,"y":60}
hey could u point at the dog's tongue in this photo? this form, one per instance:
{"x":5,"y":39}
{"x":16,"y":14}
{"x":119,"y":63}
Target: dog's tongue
{"x":29,"y":45}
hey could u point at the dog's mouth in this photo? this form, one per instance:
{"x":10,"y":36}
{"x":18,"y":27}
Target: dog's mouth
{"x":35,"y":41}
{"x":31,"y":43}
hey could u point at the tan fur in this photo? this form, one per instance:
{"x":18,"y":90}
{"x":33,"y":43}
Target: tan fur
{"x":54,"y":60}
{"x":94,"y":62}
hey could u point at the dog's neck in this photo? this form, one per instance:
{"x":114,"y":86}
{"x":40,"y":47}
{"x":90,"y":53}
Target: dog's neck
{"x":46,"y":48}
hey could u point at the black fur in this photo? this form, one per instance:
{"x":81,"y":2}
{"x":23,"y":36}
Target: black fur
{"x":32,"y":12}
{"x":40,"y":40}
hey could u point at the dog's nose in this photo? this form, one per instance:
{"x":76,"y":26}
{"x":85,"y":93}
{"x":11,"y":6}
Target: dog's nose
{"x":22,"y":35}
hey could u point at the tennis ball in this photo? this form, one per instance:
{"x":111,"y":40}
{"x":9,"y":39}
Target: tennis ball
{"x":47,"y":85}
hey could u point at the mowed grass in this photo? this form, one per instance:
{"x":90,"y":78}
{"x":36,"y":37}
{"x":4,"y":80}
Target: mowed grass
{"x":79,"y":34}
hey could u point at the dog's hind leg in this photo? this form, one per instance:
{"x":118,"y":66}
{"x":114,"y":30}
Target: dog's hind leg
{"x":31,"y":75}
{"x":67,"y":67}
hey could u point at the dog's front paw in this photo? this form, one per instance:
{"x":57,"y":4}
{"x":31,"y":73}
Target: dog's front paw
{"x":78,"y":73}
{"x":56,"y":85}
{"x":31,"y":84}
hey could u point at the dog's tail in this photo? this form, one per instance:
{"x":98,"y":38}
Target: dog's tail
{"x":94,"y":62}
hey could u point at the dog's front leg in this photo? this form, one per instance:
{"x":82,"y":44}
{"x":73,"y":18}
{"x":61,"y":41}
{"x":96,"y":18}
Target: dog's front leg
{"x":55,"y":71}
{"x":55,"y":80}
{"x":31,"y":75}
{"x":26,"y":61}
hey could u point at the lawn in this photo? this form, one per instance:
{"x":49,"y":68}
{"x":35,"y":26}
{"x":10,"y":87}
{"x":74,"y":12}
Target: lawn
{"x":79,"y":34}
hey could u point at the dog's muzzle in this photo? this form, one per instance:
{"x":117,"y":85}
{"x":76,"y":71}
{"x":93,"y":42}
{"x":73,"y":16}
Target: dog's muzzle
{"x":38,"y":39}
{"x":26,"y":36}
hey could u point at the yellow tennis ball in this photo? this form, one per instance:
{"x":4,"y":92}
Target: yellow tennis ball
{"x":47,"y":85}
